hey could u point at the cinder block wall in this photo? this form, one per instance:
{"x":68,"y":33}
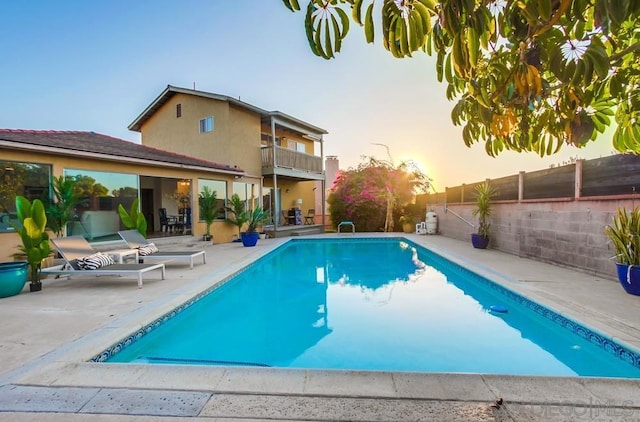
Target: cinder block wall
{"x":567,"y":233}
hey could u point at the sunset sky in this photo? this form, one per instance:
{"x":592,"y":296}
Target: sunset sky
{"x":88,"y":65}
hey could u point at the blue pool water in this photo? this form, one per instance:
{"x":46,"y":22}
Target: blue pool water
{"x":382,"y":304}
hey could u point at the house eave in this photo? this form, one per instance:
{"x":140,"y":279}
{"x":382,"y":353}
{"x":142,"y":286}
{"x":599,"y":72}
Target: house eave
{"x":113,"y":158}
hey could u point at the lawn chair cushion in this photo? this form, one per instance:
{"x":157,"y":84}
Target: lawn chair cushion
{"x":95,"y":261}
{"x":148,"y":249}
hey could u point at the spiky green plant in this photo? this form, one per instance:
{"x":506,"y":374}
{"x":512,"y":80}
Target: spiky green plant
{"x":624,"y":234}
{"x":484,"y":195}
{"x":236,"y":212}
{"x":255,"y":218}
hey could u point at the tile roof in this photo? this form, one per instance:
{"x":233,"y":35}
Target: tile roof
{"x":70,"y":142}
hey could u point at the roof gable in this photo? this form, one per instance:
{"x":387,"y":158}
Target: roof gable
{"x":170,"y":91}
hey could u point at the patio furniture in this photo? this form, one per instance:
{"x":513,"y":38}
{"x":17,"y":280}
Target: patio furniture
{"x":78,"y":253}
{"x":184,"y":221}
{"x":167,"y":223}
{"x":285,"y":217}
{"x":100,"y":223}
{"x":310,"y":218}
{"x":137,"y":241}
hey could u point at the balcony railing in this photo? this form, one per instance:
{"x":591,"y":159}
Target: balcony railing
{"x":290,"y":159}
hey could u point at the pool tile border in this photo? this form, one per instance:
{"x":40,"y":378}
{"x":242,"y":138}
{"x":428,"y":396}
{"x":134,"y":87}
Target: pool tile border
{"x":602,"y":341}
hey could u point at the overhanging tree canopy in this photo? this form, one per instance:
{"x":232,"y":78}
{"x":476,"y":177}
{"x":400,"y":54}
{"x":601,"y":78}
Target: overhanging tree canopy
{"x":528,"y":75}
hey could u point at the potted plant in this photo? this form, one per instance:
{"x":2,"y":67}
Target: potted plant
{"x":207,"y":200}
{"x":35,"y":240}
{"x":61,"y":211}
{"x":624,"y":234}
{"x":254,"y":219}
{"x":408,"y":223}
{"x":484,"y":195}
{"x":237,"y":214}
{"x":133,"y":219}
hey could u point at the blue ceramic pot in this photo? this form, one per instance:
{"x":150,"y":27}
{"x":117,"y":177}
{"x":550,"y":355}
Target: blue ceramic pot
{"x":478,"y":241}
{"x":629,"y":277}
{"x":13,"y":276}
{"x":249,"y":238}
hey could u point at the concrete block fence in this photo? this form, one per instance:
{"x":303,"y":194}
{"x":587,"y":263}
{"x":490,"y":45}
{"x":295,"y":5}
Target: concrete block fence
{"x":555,"y":215}
{"x":566,"y":233}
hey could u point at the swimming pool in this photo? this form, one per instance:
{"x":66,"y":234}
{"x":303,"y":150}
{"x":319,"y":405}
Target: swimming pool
{"x":372,"y":304}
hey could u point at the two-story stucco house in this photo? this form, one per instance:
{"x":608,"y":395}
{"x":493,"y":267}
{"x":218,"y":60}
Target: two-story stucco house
{"x":281,"y":155}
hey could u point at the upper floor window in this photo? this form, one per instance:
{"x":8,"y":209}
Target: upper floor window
{"x":206,"y":124}
{"x":298,"y":146}
{"x":178,"y":110}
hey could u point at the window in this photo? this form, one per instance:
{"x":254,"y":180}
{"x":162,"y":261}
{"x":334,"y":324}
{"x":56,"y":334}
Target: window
{"x":103,"y":192}
{"x":18,"y":178}
{"x":297,"y":146}
{"x":178,"y":110}
{"x":248,"y":192}
{"x":265,"y":138}
{"x":206,"y":124}
{"x":220,"y":188}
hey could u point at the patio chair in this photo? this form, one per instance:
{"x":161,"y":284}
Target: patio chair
{"x":147,"y":250}
{"x":310,"y":218}
{"x":81,"y":259}
{"x":167,"y":223}
{"x":285,"y":217}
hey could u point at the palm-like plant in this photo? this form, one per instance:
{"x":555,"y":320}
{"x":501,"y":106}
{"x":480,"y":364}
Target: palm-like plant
{"x":624,"y":234}
{"x":208,"y":209}
{"x":62,"y":211}
{"x":237,"y":214}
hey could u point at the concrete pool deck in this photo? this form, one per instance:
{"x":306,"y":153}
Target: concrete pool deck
{"x":46,"y":339}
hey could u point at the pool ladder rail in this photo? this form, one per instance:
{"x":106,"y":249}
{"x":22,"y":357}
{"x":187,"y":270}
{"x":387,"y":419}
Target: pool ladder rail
{"x":347,"y":223}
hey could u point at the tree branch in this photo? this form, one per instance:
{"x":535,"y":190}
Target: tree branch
{"x":562,"y":9}
{"x":621,"y":54}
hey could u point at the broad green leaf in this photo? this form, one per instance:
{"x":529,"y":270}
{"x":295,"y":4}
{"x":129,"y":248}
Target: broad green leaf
{"x":368,"y":24}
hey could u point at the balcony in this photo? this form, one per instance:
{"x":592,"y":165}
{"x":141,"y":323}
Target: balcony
{"x":292,"y":164}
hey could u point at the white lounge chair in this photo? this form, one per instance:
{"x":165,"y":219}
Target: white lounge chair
{"x":75,"y":248}
{"x":135,"y":240}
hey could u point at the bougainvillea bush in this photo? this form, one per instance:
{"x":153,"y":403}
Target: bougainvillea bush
{"x":372,"y":195}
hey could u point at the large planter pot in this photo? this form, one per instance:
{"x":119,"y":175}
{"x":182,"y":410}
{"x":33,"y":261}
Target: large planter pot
{"x":408,"y":227}
{"x":249,"y":238}
{"x":13,"y":276}
{"x":629,"y":276}
{"x":478,"y":241}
